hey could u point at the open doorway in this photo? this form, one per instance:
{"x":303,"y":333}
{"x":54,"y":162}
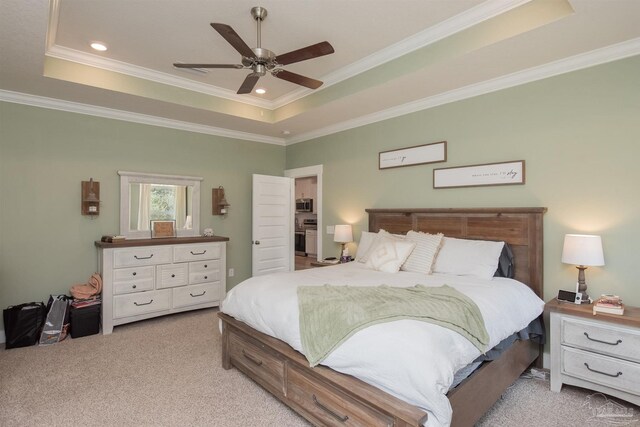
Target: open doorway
{"x":308,"y":215}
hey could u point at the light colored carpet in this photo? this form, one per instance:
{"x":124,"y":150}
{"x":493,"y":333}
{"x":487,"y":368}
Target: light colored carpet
{"x":166,"y":371}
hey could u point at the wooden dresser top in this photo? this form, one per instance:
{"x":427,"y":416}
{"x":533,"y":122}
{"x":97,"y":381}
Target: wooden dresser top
{"x":160,"y":241}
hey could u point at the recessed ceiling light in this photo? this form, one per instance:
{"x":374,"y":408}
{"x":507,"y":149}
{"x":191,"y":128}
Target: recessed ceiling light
{"x":99,"y":46}
{"x":261,"y":91}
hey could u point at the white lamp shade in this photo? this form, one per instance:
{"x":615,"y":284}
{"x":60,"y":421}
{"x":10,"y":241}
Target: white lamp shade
{"x":582,"y":249}
{"x":343,"y":234}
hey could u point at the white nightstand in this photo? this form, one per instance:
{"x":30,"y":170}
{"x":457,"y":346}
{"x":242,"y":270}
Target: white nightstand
{"x":601,"y":352}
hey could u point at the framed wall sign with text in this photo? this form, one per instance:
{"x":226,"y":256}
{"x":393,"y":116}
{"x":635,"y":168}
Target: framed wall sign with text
{"x":410,"y":156}
{"x":505,"y":173}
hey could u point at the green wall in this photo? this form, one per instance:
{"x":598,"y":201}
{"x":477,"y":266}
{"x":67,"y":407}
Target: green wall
{"x":579,"y":134}
{"x":46,"y":245}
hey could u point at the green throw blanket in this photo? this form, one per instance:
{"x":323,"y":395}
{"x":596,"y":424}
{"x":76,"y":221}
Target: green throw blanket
{"x":329,"y":315}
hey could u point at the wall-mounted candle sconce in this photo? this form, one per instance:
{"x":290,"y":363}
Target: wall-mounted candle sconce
{"x":90,"y":197}
{"x":219,"y":202}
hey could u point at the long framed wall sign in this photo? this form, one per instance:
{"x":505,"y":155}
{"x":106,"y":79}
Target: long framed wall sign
{"x":504,"y":173}
{"x":410,"y":156}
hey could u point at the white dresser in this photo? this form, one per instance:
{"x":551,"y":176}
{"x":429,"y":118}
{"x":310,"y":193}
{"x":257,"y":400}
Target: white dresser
{"x":601,"y":352}
{"x":153,"y":277}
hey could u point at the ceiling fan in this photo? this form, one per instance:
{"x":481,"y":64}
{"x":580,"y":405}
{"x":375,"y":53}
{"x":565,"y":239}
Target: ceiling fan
{"x":261,"y":60}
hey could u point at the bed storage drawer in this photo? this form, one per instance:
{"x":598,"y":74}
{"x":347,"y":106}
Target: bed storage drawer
{"x":604,"y":370}
{"x":328,"y":405}
{"x":264,"y":367}
{"x":607,"y":339}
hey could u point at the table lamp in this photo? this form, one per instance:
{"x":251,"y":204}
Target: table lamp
{"x":582,"y":250}
{"x":343,"y":235}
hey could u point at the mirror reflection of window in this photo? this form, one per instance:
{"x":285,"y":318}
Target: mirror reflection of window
{"x":149,"y":202}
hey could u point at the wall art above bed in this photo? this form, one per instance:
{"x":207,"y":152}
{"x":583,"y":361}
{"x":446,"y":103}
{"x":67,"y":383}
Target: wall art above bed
{"x":504,"y":173}
{"x":419,"y":155}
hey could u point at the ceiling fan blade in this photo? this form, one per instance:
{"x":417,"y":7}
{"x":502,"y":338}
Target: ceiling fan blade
{"x":181,"y":65}
{"x":248,"y":83}
{"x":233,"y":39}
{"x":298,"y":79}
{"x":309,"y":52}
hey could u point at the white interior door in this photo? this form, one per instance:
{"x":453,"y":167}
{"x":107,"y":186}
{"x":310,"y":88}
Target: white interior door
{"x":272,"y":241}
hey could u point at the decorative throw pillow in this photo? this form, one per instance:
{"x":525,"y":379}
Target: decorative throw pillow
{"x":423,"y":255}
{"x":463,"y":257}
{"x":389,"y":253}
{"x":367,"y":238}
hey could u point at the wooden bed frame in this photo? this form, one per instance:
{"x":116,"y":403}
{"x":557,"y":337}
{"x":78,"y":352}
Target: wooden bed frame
{"x":326,"y":397}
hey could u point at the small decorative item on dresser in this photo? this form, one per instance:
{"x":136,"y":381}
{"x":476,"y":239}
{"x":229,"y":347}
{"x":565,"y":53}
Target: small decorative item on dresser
{"x":161,"y":229}
{"x":610,"y":304}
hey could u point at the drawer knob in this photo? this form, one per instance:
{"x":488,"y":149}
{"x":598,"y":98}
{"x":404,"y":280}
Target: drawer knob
{"x":205,"y":266}
{"x":134,"y":286}
{"x":142,"y":303}
{"x":251,"y":358}
{"x":205,"y":277}
{"x":173,"y":275}
{"x":603,"y":342}
{"x":341,"y":418}
{"x":143,"y":257}
{"x":603,"y":373}
{"x":198,"y":253}
{"x":134,"y":273}
{"x":197,"y":295}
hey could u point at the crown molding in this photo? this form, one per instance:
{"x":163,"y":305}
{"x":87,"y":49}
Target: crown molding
{"x":68,"y":54}
{"x":455,"y":24}
{"x":577,"y":62}
{"x":110,"y":113}
{"x":444,"y":29}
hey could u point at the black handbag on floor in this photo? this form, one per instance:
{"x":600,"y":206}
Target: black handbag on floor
{"x":23,"y":323}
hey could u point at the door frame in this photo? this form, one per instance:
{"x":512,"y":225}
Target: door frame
{"x":306,"y":172}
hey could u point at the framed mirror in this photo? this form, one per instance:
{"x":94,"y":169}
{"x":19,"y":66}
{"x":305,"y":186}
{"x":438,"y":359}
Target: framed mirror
{"x":148,"y":197}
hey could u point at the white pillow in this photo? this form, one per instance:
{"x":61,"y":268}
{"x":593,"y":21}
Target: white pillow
{"x":427,"y":246}
{"x":462,"y":257}
{"x":366,"y":240}
{"x":389,"y":253}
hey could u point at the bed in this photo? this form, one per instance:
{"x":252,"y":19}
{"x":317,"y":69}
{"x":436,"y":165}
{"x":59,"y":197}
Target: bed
{"x":327,"y":397}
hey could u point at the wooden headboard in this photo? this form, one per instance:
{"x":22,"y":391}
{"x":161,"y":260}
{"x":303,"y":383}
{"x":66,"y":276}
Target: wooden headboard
{"x":520,"y":227}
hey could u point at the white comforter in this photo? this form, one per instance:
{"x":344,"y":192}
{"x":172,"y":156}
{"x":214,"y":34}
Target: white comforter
{"x":409,"y":359}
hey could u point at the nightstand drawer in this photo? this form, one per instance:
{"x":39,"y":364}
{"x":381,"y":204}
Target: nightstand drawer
{"x":602,"y":338}
{"x":604,"y":370}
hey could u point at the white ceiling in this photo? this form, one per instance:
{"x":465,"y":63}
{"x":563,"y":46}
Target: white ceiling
{"x":391,"y":57}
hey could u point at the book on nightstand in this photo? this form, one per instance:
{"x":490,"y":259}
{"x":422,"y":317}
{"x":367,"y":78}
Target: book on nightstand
{"x":610,"y":304}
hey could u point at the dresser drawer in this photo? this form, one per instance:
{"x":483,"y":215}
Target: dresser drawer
{"x":196,"y":294}
{"x":604,"y":370}
{"x":134,"y":279}
{"x":171,"y":275}
{"x":265,"y":368}
{"x":328,"y":405}
{"x":145,"y":255}
{"x":197,"y":252}
{"x":204,"y":271}
{"x":141,"y":303}
{"x":602,"y":338}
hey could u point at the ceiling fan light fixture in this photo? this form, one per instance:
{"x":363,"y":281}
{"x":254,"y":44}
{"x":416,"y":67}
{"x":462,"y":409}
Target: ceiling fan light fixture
{"x":99,"y":46}
{"x":261,"y":91}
